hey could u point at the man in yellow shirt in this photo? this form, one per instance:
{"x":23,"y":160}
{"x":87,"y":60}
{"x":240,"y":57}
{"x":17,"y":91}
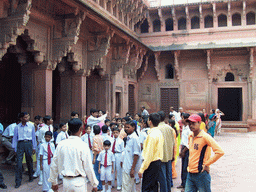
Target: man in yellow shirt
{"x":152,"y":155}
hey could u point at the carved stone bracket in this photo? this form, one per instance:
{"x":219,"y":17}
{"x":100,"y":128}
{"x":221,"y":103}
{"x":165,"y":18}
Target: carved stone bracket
{"x":120,"y":57}
{"x":14,"y":25}
{"x":144,"y":69}
{"x":157,"y":64}
{"x":62,"y":46}
{"x":98,"y":50}
{"x":176,"y":64}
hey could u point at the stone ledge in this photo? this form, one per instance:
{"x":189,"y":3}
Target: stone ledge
{"x":234,"y":130}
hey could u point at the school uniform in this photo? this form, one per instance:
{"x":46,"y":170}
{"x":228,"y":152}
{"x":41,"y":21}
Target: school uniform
{"x":47,"y":150}
{"x":132,"y":148}
{"x":106,"y":159}
{"x":117,"y":149}
{"x":7,"y":140}
{"x":38,"y":172}
{"x":61,"y":136}
{"x":42,"y":133}
{"x":105,"y":137}
{"x":88,"y":139}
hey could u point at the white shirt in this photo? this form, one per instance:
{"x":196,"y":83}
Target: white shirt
{"x":72,"y":158}
{"x":110,"y":157}
{"x":42,"y":133}
{"x":9,"y":131}
{"x":85,"y":139}
{"x":61,"y":136}
{"x":184,"y":137}
{"x":119,"y":146}
{"x":132,"y":148}
{"x":144,"y":112}
{"x":91,"y":121}
{"x":143,"y":135}
{"x":44,"y":149}
{"x":178,"y":116}
{"x":105,"y":137}
{"x":175,"y":115}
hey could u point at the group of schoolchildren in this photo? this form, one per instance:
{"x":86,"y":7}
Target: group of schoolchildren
{"x":122,"y":150}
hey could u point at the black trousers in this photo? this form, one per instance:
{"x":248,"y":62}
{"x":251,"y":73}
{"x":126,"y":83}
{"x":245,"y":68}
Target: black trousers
{"x":184,"y":171}
{"x":1,"y":178}
{"x":150,"y":177}
{"x":27,"y":148}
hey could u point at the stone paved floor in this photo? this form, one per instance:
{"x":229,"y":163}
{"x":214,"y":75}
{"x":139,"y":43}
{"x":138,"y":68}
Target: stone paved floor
{"x":234,"y":172}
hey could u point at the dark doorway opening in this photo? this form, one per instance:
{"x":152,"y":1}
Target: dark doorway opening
{"x":118,"y":102}
{"x":169,"y":98}
{"x":230,"y":102}
{"x":56,"y":96}
{"x":10,"y":86}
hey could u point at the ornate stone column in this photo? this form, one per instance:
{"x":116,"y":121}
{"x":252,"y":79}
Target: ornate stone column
{"x":215,"y":19}
{"x":208,"y":64}
{"x":229,"y":19}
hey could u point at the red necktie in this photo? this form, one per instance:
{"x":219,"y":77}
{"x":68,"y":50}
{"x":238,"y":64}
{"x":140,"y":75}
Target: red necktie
{"x":106,"y":160}
{"x":49,"y":128}
{"x":49,"y":154}
{"x":89,"y":141}
{"x":114,"y":145}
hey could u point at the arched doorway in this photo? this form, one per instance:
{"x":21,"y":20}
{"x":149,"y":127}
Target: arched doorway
{"x":10,"y":86}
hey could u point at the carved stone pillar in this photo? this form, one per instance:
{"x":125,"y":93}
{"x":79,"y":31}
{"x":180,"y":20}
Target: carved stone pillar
{"x":13,"y":25}
{"x":229,"y":21}
{"x":188,"y":18}
{"x":251,"y":89}
{"x":201,"y":16}
{"x":176,"y":64}
{"x":209,"y":78}
{"x":175,"y":22}
{"x":161,"y":20}
{"x":244,"y":14}
{"x":215,"y":19}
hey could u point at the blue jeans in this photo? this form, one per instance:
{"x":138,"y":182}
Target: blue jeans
{"x":165,"y":176}
{"x":96,"y":170}
{"x":198,"y":182}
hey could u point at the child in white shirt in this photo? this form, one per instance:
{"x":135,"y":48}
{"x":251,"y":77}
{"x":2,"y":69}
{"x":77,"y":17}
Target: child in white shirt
{"x":106,"y":165}
{"x":88,"y":138}
{"x":63,"y":133}
{"x":117,"y":149}
{"x":47,"y":150}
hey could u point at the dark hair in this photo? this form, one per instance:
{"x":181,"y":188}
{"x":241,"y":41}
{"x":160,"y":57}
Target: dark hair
{"x":154,"y":118}
{"x":61,"y":125}
{"x":47,"y":118}
{"x":107,"y":143}
{"x":48,"y":133}
{"x":138,"y":115}
{"x":96,"y":129}
{"x":104,"y":129}
{"x":133,"y":124}
{"x":202,"y":116}
{"x":162,"y":115}
{"x":38,"y":117}
{"x":74,"y":125}
{"x":86,"y":127}
{"x":116,"y":129}
{"x":126,"y":118}
{"x":213,"y":110}
{"x":128,"y":114}
{"x":145,"y":120}
{"x":107,"y":120}
{"x":55,"y":127}
{"x":92,"y":110}
{"x":170,"y":116}
{"x":172,"y":123}
{"x":73,"y":114}
{"x":111,"y":124}
{"x":103,"y":112}
{"x":143,"y":107}
{"x":22,"y":114}
{"x":185,"y":115}
{"x":118,"y":119}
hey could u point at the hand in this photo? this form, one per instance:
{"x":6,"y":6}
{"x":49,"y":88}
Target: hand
{"x":55,"y":187}
{"x":206,"y":168}
{"x":34,"y":151}
{"x":182,"y":154}
{"x":99,"y":171}
{"x":95,"y":189}
{"x":93,"y":162}
{"x":132,"y":173}
{"x":140,"y":175}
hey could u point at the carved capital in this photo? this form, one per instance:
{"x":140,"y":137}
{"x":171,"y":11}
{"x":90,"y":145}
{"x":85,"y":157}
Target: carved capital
{"x":13,"y":25}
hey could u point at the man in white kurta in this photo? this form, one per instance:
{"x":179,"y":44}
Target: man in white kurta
{"x":72,"y":159}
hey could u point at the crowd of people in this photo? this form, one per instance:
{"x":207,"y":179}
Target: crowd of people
{"x":117,"y":152}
